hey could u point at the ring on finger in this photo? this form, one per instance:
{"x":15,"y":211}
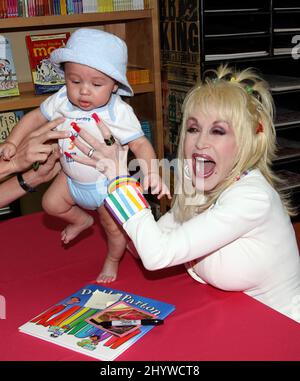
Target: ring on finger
{"x":110,"y":141}
{"x":91,"y":152}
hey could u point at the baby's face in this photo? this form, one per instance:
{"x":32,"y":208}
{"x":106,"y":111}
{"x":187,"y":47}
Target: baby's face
{"x":87,"y":88}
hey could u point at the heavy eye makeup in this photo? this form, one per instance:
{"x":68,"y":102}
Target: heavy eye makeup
{"x":217,"y":127}
{"x":192,"y":126}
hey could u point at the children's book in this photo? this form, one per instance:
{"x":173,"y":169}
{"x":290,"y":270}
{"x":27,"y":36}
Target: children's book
{"x":46,"y":77}
{"x":8,"y":78}
{"x":77,"y":321}
{"x":8,"y":120}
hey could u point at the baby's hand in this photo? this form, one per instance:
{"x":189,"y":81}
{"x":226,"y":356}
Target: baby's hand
{"x":153,"y":180}
{"x":7,"y":150}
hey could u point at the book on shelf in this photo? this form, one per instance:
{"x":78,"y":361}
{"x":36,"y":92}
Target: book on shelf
{"x":31,"y":8}
{"x":46,"y":77}
{"x":76,"y":322}
{"x":147,"y":130}
{"x":137,"y":75}
{"x":8,"y":78}
{"x":282,"y":82}
{"x":8,"y":120}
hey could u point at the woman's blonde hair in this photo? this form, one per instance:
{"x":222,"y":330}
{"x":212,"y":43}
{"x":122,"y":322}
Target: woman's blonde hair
{"x":243,"y":99}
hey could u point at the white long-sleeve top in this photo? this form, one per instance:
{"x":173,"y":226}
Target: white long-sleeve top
{"x":244,"y":242}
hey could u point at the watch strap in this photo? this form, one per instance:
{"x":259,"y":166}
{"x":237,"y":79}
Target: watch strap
{"x":24,"y":185}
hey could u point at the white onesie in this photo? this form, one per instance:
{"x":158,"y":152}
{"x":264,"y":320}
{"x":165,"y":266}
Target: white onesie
{"x":116,"y":114}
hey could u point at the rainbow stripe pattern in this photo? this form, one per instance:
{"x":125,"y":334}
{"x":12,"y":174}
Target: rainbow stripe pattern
{"x":125,"y":198}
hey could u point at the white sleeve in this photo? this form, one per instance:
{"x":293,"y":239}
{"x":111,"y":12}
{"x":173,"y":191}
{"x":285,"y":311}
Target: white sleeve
{"x":128,"y":125}
{"x":238,"y":211}
{"x":51,"y":104}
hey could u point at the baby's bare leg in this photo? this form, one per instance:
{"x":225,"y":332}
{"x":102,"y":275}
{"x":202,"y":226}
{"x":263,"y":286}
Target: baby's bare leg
{"x":116,"y":240}
{"x":58,"y":202}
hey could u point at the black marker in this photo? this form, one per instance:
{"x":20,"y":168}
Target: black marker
{"x":124,"y":323}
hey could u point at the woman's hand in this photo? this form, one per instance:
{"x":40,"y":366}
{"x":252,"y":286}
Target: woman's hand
{"x":37,"y":146}
{"x":110,"y":159}
{"x":50,"y":168}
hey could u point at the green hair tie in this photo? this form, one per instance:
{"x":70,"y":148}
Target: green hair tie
{"x":249,"y":89}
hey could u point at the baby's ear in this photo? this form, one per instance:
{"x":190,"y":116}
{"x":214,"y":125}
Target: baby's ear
{"x":115,"y":88}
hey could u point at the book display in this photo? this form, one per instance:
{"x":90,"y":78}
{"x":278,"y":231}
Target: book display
{"x":29,"y":8}
{"x":137,"y":27}
{"x":262,"y":34}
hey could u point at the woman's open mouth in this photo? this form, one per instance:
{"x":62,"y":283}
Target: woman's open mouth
{"x":203,"y":165}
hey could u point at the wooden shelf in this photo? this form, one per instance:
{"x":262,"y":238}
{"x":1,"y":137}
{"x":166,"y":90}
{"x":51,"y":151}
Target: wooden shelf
{"x":28,"y":99}
{"x":42,"y":22}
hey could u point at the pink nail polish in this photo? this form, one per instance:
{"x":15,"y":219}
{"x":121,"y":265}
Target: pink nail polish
{"x":96,"y":118}
{"x":75,"y":126}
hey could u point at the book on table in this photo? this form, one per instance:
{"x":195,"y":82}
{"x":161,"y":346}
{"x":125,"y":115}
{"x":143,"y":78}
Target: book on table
{"x":76,"y":321}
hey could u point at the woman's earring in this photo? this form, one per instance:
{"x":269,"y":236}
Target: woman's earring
{"x":186,"y":171}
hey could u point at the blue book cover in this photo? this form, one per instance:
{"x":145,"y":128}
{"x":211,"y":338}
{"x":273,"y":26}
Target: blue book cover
{"x":69,"y":323}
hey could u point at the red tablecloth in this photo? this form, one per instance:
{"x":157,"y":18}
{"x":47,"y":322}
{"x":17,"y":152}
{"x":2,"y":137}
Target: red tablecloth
{"x":36,"y":271}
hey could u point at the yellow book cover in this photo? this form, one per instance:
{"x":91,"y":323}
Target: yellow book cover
{"x":63,"y":7}
{"x":105,"y":5}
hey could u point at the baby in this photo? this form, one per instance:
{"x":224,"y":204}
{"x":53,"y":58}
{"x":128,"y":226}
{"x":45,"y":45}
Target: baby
{"x":94,"y":64}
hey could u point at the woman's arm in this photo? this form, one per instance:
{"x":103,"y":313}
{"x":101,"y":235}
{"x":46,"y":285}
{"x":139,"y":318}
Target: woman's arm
{"x":238,"y":211}
{"x":242,"y":209}
{"x":27,"y":124}
{"x":145,"y":154}
{"x":11,"y":189}
{"x":37,"y":146}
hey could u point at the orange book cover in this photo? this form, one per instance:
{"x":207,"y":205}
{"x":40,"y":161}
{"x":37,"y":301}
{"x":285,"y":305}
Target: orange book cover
{"x":46,"y":78}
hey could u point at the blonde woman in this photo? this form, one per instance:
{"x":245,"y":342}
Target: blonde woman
{"x":228,"y":223}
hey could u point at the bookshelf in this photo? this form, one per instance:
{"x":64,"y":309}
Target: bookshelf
{"x":263,"y":34}
{"x":140,"y":30}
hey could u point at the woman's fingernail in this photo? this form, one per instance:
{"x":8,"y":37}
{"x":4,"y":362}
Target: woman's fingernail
{"x":72,"y":137}
{"x":68,"y":155}
{"x":75,"y":126}
{"x":96,"y":118}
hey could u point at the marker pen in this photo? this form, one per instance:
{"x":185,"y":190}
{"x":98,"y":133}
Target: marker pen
{"x":124,"y":323}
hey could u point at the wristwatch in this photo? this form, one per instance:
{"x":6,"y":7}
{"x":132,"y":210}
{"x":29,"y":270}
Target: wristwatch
{"x":24,"y":185}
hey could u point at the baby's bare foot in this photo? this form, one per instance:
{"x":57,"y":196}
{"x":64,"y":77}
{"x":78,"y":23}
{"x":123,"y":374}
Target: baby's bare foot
{"x":109,"y":271}
{"x":72,"y":230}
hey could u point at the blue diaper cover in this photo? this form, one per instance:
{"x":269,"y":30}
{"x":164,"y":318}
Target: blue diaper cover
{"x":88,"y":196}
